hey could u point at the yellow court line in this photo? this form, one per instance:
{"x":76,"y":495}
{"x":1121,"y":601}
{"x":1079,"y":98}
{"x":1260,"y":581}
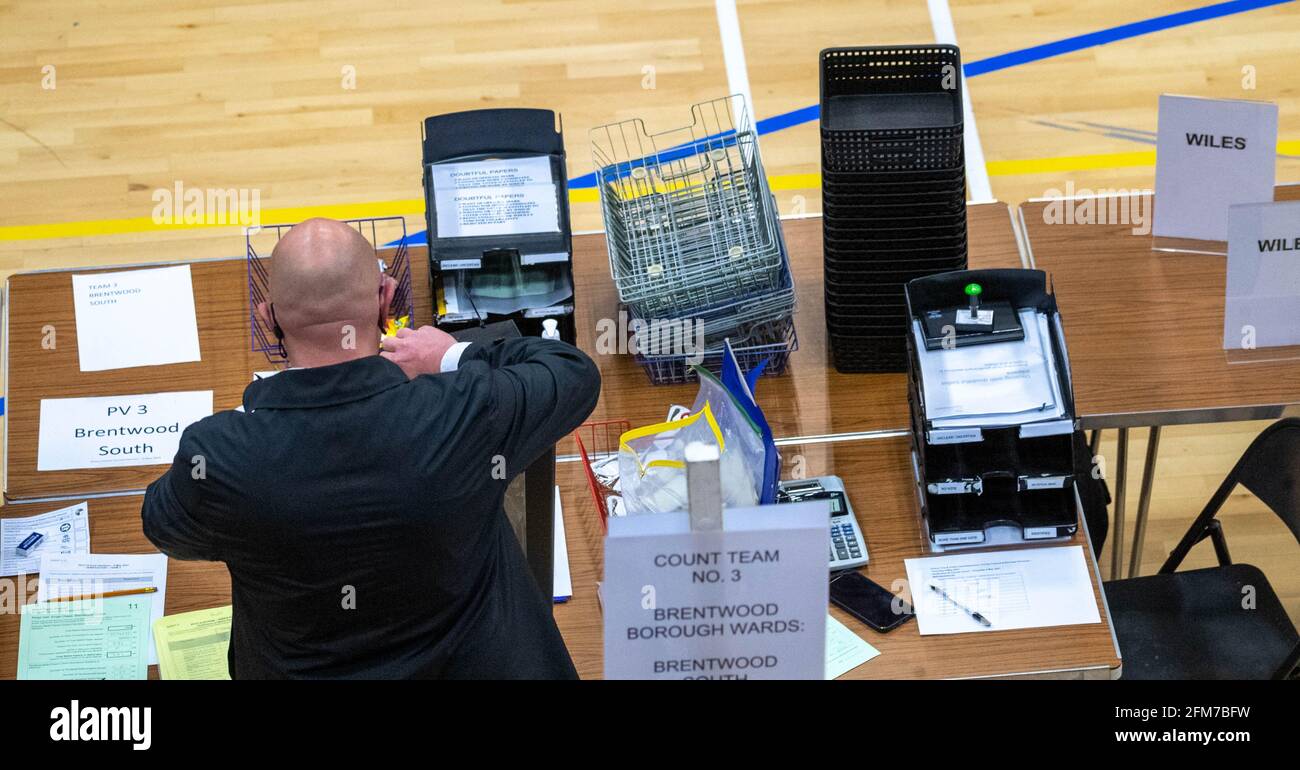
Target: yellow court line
{"x":778,"y":183}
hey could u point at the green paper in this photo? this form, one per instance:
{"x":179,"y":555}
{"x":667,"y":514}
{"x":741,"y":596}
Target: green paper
{"x":85,"y":639}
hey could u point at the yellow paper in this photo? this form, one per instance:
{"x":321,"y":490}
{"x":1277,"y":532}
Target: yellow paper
{"x":193,"y":645}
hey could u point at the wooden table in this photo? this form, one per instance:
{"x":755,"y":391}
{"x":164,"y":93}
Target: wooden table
{"x":878,"y":477}
{"x":810,"y":399}
{"x":1145,"y":333}
{"x":115,"y":528}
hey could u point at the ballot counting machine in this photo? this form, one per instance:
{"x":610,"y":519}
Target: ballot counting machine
{"x":501,"y":261}
{"x":984,"y":345}
{"x":497,"y":212}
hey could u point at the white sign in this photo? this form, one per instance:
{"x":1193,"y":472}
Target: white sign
{"x":116,"y":431}
{"x":135,"y":318}
{"x":748,"y":602}
{"x":1262,"y":308}
{"x":1211,"y":154}
{"x":495,"y":197}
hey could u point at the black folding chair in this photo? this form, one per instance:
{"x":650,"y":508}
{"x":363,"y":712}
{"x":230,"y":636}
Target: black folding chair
{"x":1222,"y":622}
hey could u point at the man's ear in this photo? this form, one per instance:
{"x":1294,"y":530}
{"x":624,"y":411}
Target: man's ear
{"x":387,"y":288}
{"x":264,"y":315}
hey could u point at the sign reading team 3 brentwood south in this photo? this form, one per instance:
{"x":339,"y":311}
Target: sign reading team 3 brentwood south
{"x":747,"y":602}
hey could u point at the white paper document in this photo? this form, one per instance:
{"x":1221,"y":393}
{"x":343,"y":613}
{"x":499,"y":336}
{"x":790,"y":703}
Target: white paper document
{"x":561,"y":581}
{"x":67,"y":532}
{"x":1024,"y":588}
{"x":135,"y":318}
{"x":1211,"y":154}
{"x":998,"y":384}
{"x":1262,"y":306}
{"x":100,"y":573}
{"x":495,"y":197}
{"x":116,"y":431}
{"x":845,"y":650}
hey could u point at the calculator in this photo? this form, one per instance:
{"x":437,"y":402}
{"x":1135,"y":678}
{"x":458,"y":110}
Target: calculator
{"x":848,"y":546}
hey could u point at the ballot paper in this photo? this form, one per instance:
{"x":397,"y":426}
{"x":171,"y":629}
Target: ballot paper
{"x":85,"y":639}
{"x":499,"y":294}
{"x":845,"y":650}
{"x":135,"y":318}
{"x":1023,"y":588}
{"x":67,"y":532}
{"x":1012,"y":382}
{"x":495,"y":197}
{"x":116,"y":431}
{"x":100,"y":573}
{"x":194,"y":645}
{"x":561,"y":581}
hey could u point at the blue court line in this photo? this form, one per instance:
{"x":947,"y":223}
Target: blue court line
{"x":993,"y":64}
{"x":1122,"y":32}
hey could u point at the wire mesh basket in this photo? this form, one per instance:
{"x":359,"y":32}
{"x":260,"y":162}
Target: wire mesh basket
{"x":377,"y":230}
{"x":689,"y":219}
{"x":598,"y":447}
{"x":771,"y":342}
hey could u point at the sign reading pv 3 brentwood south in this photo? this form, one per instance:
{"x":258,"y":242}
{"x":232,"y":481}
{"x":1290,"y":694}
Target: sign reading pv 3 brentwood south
{"x":746,"y":602}
{"x":1211,"y":154}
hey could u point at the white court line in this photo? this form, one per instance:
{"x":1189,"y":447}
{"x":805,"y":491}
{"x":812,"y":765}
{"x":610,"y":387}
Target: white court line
{"x":977,"y":174}
{"x":733,"y":55}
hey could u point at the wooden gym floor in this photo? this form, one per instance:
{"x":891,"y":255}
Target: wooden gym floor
{"x":315,"y":105}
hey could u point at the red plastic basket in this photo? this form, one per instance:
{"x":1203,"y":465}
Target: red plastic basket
{"x":598,"y":440}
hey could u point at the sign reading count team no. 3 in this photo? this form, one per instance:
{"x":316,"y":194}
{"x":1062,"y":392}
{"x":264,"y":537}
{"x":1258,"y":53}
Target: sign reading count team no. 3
{"x":746,"y":602}
{"x":116,"y":431}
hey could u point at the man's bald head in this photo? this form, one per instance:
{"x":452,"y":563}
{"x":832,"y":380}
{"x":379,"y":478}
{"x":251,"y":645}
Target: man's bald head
{"x":325,"y":280}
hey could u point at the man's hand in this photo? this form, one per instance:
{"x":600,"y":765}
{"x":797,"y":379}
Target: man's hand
{"x":418,"y":351}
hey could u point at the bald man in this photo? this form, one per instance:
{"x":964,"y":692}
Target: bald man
{"x":357,"y":498}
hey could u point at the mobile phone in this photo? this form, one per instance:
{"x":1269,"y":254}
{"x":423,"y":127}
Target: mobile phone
{"x":872,"y":604}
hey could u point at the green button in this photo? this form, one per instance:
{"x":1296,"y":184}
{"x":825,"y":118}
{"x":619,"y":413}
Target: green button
{"x":974,"y":289}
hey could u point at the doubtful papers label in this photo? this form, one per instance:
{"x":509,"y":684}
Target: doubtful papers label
{"x":116,"y":431}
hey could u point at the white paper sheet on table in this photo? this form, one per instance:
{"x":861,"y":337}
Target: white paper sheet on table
{"x":100,"y":573}
{"x":561,"y":580}
{"x":1001,"y":383}
{"x":1023,"y":588}
{"x":135,"y":318}
{"x":845,"y":650}
{"x":67,"y":531}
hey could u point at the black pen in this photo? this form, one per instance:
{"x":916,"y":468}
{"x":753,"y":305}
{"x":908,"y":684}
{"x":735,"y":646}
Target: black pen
{"x":978,"y":617}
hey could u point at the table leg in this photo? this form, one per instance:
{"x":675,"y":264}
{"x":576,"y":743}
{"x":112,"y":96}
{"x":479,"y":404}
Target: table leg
{"x":1121,"y":487}
{"x":1144,"y":501}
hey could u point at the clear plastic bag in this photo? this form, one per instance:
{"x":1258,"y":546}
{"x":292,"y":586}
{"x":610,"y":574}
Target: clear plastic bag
{"x":652,"y":472}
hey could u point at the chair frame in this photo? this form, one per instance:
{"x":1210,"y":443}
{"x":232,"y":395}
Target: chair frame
{"x":1207,"y":525}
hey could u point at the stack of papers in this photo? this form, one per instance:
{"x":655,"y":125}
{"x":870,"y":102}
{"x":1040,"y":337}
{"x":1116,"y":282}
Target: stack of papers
{"x":194,"y":645}
{"x":101,"y":573}
{"x":993,"y":385}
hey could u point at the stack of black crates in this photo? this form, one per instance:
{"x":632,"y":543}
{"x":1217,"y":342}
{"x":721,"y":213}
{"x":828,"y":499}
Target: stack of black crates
{"x":893,"y":191}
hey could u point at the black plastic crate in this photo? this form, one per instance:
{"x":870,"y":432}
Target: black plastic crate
{"x":850,"y":209}
{"x":891,"y":108}
{"x":892,"y":149}
{"x":848,"y":248}
{"x":940,"y":228}
{"x":847,"y":279}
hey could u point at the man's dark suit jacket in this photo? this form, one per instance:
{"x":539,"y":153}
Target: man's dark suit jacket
{"x":360,"y":514}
